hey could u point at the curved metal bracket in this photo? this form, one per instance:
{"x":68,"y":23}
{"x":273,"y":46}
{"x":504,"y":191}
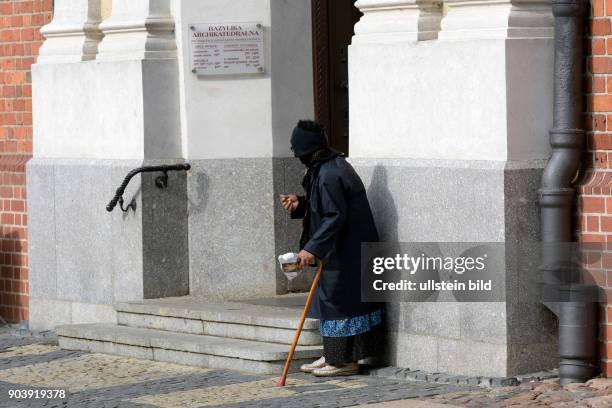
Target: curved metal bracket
{"x":131,"y":205}
{"x":162,"y":181}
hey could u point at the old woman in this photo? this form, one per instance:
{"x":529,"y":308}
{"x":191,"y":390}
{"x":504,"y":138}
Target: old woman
{"x":337,"y":218}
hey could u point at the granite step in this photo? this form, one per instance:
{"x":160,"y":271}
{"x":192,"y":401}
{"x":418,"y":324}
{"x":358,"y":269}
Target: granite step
{"x":246,"y":321}
{"x":183,"y":348}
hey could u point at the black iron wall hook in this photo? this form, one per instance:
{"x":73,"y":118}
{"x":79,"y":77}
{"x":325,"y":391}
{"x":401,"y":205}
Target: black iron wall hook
{"x":131,"y":205}
{"x":160,"y":182}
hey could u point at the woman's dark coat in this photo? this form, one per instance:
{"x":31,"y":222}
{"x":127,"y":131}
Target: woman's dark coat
{"x":340,"y":220}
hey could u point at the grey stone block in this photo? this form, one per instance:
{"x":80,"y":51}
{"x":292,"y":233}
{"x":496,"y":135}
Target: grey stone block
{"x":433,"y":201}
{"x":83,"y":228}
{"x":432,"y":319}
{"x":532,"y":358}
{"x":148,"y":338}
{"x":261,"y":333}
{"x":199,"y":350}
{"x":81,"y":253}
{"x":46,"y":314}
{"x":483,"y":322}
{"x":231,"y":220}
{"x":92,"y":313}
{"x":227,"y":312}
{"x":129,"y":350}
{"x":417,"y":351}
{"x":127,"y":246}
{"x":504,"y":382}
{"x":218,"y":328}
{"x":93,"y":346}
{"x":165,"y":240}
{"x":464,"y":201}
{"x":472,"y":358}
{"x":160,"y":323}
{"x":218,"y":362}
{"x":41,"y":224}
{"x":288,"y":174}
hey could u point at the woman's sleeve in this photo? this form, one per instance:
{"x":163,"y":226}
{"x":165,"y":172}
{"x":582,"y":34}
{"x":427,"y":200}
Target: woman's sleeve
{"x":300,"y":211}
{"x":334,"y":208}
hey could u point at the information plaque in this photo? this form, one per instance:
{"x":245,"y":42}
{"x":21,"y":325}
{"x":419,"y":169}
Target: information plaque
{"x":227,"y":48}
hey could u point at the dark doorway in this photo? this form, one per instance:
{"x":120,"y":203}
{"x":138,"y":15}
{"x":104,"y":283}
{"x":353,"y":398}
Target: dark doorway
{"x":333,"y":23}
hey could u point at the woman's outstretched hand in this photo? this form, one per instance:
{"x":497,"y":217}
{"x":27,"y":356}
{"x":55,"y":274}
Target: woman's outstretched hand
{"x":290,"y":202}
{"x":305,"y":259}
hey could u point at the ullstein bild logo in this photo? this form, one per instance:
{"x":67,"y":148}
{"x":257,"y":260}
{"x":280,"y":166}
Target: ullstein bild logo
{"x":471,"y":272}
{"x":423,"y":263}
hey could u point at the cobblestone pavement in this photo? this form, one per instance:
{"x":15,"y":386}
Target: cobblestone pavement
{"x":98,"y":380}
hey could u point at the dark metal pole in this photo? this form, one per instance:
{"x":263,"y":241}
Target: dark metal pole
{"x":573,"y":302}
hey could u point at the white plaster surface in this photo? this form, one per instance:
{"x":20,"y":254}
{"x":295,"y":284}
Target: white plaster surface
{"x":458,"y":100}
{"x":249,"y":115}
{"x":138,"y":29}
{"x":398,"y":20}
{"x":73,"y":34}
{"x":106,"y":110}
{"x":477,"y":19}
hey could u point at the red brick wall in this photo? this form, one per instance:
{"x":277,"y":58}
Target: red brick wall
{"x":20,"y":39}
{"x":595,"y":201}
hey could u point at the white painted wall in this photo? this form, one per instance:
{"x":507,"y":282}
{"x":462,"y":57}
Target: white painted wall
{"x":482,"y":91}
{"x":87,"y":110}
{"x":106,"y":110}
{"x":251,"y":115}
{"x":118,"y":100}
{"x":472,"y":100}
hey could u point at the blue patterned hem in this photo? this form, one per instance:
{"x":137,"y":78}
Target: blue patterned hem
{"x":350,"y":327}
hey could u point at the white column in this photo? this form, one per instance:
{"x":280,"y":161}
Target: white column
{"x":131,"y":93}
{"x":472,"y":19}
{"x":138,"y":29}
{"x":398,"y":20}
{"x":73,"y":34}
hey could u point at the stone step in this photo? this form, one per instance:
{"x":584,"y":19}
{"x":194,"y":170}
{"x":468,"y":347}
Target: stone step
{"x":182,"y":348}
{"x":232,"y":319}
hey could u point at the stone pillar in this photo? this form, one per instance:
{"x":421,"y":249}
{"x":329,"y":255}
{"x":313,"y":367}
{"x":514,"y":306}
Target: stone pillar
{"x":475,"y":19}
{"x":73,"y":35}
{"x":94,"y":121}
{"x":138,"y":29}
{"x":236,"y":131}
{"x":451,"y":136}
{"x":398,"y":20}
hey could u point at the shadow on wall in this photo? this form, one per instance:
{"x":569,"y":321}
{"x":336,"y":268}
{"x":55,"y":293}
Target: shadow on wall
{"x":386,"y":218}
{"x":383,"y":205}
{"x":13,"y":286}
{"x":198,"y":201}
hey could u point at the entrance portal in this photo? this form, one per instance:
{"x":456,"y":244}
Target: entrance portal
{"x":333,"y":27}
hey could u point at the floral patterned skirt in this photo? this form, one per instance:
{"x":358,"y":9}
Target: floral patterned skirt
{"x":351,"y":340}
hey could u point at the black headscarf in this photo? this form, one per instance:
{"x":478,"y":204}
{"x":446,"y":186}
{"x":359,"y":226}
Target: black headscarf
{"x":305,"y":142}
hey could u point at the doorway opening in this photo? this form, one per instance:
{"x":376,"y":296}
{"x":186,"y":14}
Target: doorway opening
{"x":333,"y":23}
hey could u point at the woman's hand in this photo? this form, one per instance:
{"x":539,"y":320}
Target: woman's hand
{"x":290,"y":202}
{"x":305,"y":259}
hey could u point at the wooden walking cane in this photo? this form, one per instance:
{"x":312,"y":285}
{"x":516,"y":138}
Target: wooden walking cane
{"x":315,"y":282}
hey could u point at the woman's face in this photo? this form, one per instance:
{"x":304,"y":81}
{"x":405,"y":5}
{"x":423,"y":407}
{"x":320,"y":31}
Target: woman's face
{"x":306,"y":159}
